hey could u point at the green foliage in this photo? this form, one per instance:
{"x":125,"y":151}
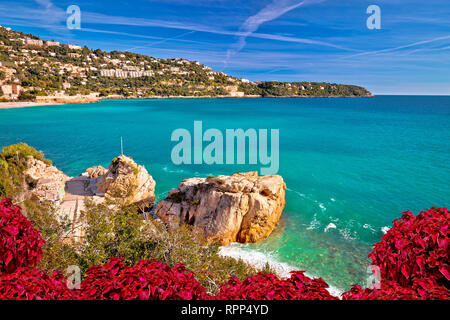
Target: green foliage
{"x":25,"y":96}
{"x":4,"y":164}
{"x":183,"y":245}
{"x":302,"y":89}
{"x":10,"y":179}
{"x":21,"y":151}
{"x":12,"y":165}
{"x":58,"y":251}
{"x":113,"y":230}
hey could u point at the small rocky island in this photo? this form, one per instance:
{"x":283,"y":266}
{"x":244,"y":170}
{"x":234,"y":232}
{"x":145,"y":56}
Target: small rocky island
{"x":239,"y":208}
{"x":242,"y":208}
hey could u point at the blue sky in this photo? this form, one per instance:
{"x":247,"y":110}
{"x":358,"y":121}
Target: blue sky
{"x":285,"y":40}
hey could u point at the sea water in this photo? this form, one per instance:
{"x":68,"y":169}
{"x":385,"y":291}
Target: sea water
{"x":351,"y":165}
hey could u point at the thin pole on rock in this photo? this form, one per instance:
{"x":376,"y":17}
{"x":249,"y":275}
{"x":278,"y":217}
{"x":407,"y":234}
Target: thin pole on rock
{"x":121,"y":146}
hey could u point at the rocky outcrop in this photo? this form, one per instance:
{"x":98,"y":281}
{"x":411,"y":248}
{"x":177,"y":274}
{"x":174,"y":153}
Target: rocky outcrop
{"x":44,"y":181}
{"x":239,"y":208}
{"x":94,"y":172}
{"x":126,"y":180}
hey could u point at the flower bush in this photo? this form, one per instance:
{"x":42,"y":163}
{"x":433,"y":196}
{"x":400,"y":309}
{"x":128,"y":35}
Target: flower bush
{"x":388,"y":291}
{"x":412,"y":257}
{"x":31,"y":284}
{"x":416,"y":247}
{"x":148,"y":280}
{"x":269,"y":287}
{"x":20,"y":243}
{"x":423,"y":289}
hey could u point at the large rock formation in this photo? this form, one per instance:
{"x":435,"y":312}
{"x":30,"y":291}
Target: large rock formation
{"x":44,"y":181}
{"x":122,"y":179}
{"x":242,"y":207}
{"x":126,"y":180}
{"x":95,"y":172}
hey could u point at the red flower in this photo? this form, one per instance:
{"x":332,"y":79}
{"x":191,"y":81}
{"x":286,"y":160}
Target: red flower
{"x":20,"y":243}
{"x":269,"y":287}
{"x":148,"y":280}
{"x":31,"y":284}
{"x":415,"y":247}
{"x":413,"y":259}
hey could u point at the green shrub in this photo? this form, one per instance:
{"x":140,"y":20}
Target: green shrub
{"x":21,"y":151}
{"x":12,"y":165}
{"x":25,"y":96}
{"x":58,"y":253}
{"x":113,"y":230}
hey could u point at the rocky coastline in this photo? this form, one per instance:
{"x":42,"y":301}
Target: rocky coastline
{"x":240,"y":208}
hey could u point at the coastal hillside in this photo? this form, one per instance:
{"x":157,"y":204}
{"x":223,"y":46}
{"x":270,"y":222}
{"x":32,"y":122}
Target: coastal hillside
{"x":33,"y":69}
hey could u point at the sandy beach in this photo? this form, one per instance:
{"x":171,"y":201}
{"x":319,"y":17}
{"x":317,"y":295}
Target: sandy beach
{"x":10,"y":105}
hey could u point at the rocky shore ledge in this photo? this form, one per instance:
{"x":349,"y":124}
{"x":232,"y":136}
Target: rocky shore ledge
{"x":241,"y":208}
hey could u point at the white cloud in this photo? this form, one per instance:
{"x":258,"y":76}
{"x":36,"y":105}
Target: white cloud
{"x":272,"y":11}
{"x":389,"y":50}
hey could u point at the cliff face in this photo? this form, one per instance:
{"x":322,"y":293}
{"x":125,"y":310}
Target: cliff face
{"x":44,"y":181}
{"x":243,"y":207}
{"x":122,"y":179}
{"x":126,"y":180}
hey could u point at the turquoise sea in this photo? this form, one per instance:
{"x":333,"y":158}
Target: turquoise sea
{"x":354,"y":162}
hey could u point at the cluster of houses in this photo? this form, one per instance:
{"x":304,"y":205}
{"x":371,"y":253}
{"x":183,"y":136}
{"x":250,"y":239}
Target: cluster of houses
{"x":125,"y":74}
{"x":115,"y":66}
{"x":41,"y":43}
{"x":9,"y":84}
{"x":11,"y":91}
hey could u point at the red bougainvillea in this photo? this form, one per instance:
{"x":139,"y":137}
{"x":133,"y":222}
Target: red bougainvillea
{"x":31,"y":284}
{"x":269,"y":287}
{"x":412,"y":257}
{"x":423,"y":289}
{"x":148,"y":280}
{"x":415,"y":248}
{"x":388,"y":291}
{"x":20,"y":243}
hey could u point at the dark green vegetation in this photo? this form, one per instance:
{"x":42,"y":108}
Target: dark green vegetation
{"x":302,"y":89}
{"x":12,"y":165}
{"x":44,"y":70}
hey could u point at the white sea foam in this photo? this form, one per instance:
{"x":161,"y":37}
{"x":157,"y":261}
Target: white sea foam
{"x":368,"y":226}
{"x":259,"y":260}
{"x":385,"y":229}
{"x":329,"y":226}
{"x":166,"y":169}
{"x":314,"y":224}
{"x":347,"y":234}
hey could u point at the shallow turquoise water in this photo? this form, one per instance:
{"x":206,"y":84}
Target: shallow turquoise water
{"x":356,"y":163}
